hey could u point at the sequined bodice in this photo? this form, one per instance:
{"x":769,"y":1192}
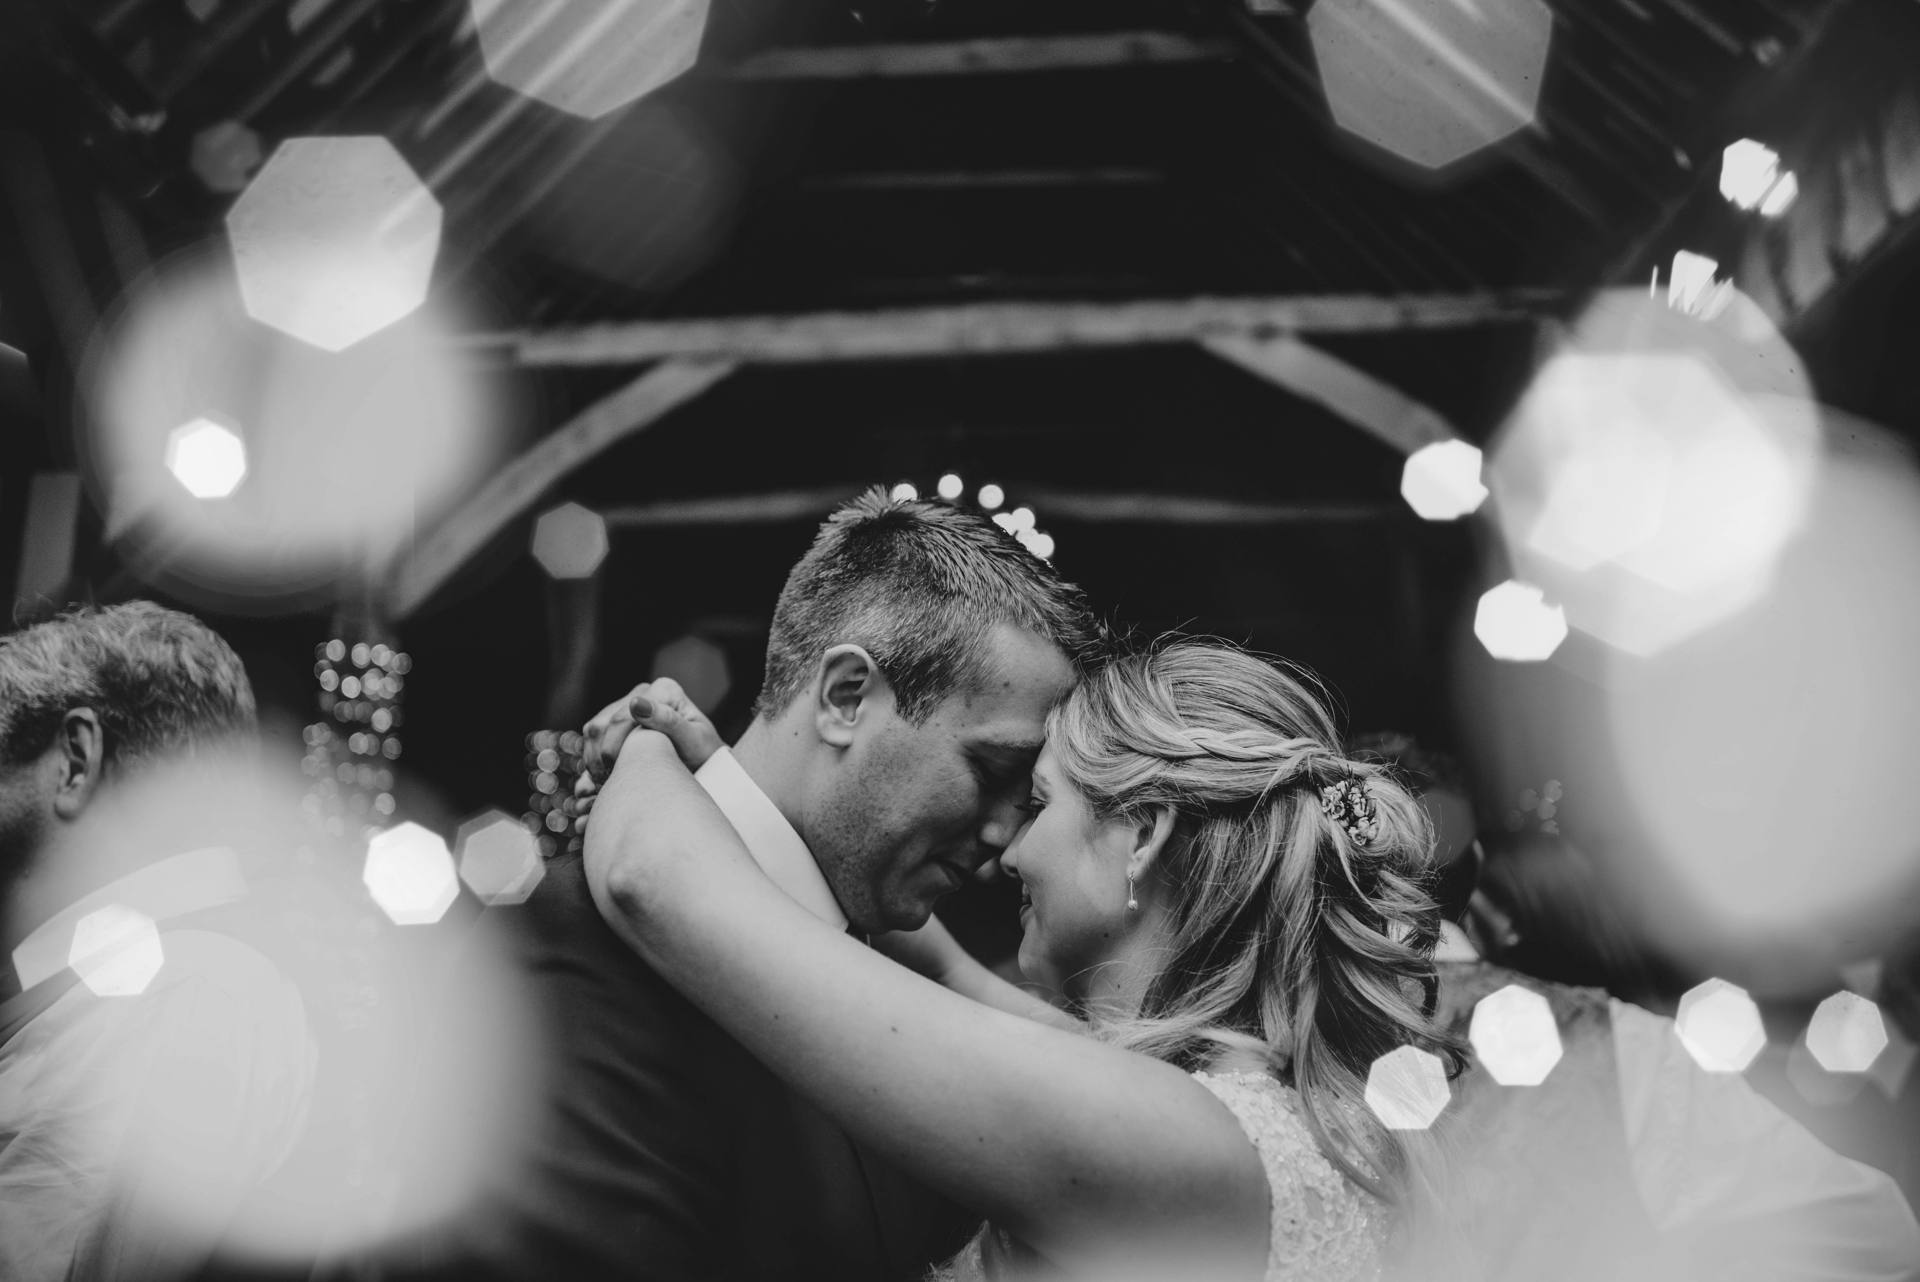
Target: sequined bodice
{"x":1324,"y":1226}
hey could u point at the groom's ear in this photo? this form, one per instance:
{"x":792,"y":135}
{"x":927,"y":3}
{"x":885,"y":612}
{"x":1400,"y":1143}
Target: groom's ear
{"x":845,"y":689}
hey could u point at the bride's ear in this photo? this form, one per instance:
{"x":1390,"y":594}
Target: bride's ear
{"x":845,"y":690}
{"x":1151,"y":832}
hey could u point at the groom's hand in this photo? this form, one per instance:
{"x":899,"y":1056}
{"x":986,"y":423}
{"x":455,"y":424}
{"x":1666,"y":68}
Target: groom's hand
{"x":656,"y":705}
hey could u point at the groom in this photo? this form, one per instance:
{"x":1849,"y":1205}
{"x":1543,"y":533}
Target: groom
{"x":914,"y":654}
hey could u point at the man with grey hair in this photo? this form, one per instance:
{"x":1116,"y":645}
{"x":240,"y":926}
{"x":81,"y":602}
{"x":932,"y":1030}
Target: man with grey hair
{"x":153,"y":1072}
{"x":912,"y":660}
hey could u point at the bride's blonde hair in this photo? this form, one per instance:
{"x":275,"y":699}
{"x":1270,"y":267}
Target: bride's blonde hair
{"x":1300,"y":931}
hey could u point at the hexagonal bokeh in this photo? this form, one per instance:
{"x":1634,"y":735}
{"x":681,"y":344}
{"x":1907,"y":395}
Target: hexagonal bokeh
{"x":1431,"y":81}
{"x":1514,"y":622}
{"x":499,"y":859}
{"x":334,"y":240}
{"x":208,"y":459}
{"x":1720,"y":1026}
{"x":1846,"y":1033}
{"x":1407,"y":1089}
{"x":1818,"y":1084}
{"x":699,"y":665}
{"x":570,"y":542}
{"x":588,"y":57}
{"x":116,"y":951}
{"x":1515,"y":1035}
{"x":410,"y":873}
{"x":1441,"y":481}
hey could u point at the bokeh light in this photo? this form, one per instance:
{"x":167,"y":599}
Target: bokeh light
{"x":346,"y":454}
{"x":904,"y":492}
{"x":1751,"y":177}
{"x":334,"y":240}
{"x":1431,"y":81}
{"x":588,"y":57}
{"x":207,"y":458}
{"x":1514,"y":1034}
{"x":1407,"y":1089}
{"x":116,"y":951}
{"x":1514,"y":622}
{"x":1720,"y":1026}
{"x":1846,"y":1033}
{"x":1041,"y":545}
{"x":1021,"y":518}
{"x":225,"y":156}
{"x":699,"y":666}
{"x":1441,"y":481}
{"x":410,"y":874}
{"x":951,"y":486}
{"x":570,"y":541}
{"x":1768,"y":764}
{"x":1655,"y":468}
{"x":499,"y":859}
{"x":991,"y":497}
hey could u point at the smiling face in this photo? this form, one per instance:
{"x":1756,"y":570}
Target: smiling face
{"x":1072,"y":867}
{"x":918,"y":809}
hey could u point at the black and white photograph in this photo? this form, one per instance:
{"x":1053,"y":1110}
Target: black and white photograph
{"x":960,"y":640}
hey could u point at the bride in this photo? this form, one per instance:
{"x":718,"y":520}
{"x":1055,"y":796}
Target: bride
{"x":1232,"y":906}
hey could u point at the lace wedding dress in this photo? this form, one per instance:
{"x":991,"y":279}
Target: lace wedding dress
{"x":1324,"y":1227}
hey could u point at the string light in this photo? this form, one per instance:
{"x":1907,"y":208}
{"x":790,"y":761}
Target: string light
{"x":1021,"y":522}
{"x":554,"y":762}
{"x":351,"y":748}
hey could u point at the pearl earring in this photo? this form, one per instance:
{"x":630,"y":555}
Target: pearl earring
{"x":1133,"y":903}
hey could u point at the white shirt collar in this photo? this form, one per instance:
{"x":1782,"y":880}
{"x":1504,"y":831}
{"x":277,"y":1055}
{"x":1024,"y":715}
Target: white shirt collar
{"x":770,"y":839}
{"x":171,"y":887}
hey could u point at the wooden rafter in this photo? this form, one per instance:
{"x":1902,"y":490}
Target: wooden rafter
{"x":1070,"y":505}
{"x":1000,"y":328}
{"x":521,"y":484}
{"x":1373,"y":406}
{"x":1004,"y":55}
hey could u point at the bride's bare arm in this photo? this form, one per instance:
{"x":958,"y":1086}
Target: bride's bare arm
{"x":1096,"y":1156}
{"x":934,"y":952}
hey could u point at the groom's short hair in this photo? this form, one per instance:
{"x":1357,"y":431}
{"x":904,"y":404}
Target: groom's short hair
{"x":918,"y":584}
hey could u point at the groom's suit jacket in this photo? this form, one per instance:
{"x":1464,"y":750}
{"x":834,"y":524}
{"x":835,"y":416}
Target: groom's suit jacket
{"x":665,"y":1151}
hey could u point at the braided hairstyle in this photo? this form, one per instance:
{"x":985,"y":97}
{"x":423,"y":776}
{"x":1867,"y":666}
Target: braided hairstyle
{"x":1300,"y":928}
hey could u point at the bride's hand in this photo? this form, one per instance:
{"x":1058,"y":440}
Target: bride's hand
{"x":654,"y":705}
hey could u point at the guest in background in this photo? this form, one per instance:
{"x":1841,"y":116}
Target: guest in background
{"x":1629,"y":1159}
{"x":153,"y":1085}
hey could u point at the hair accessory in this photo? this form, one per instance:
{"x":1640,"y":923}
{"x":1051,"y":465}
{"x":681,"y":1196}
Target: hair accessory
{"x":1133,"y":902}
{"x":1349,"y":804}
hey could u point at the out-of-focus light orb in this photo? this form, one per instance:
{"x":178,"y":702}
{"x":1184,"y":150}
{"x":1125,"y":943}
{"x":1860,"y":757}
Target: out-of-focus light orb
{"x":1021,"y":518}
{"x":1431,"y":81}
{"x":1748,"y":170}
{"x":904,"y":492}
{"x":1768,"y":763}
{"x":334,"y":240}
{"x":411,"y":875}
{"x":1514,"y":622}
{"x":1407,"y":1089}
{"x":1656,"y":466}
{"x":951,"y":486}
{"x":1846,"y":1033}
{"x":1441,"y":481}
{"x":1894,"y":1065}
{"x":1514,"y":1034}
{"x":1692,"y":286}
{"x":699,"y":666}
{"x":1720,"y":1026}
{"x":588,"y":57}
{"x":1817,"y":1083}
{"x":992,"y":496}
{"x":499,"y":859}
{"x":570,"y":541}
{"x":208,"y":459}
{"x":1780,"y":199}
{"x":1041,"y":545}
{"x":116,"y":951}
{"x":225,"y":156}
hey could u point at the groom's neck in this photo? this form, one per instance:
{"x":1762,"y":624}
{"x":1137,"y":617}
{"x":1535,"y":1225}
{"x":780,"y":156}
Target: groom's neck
{"x":772,"y":757}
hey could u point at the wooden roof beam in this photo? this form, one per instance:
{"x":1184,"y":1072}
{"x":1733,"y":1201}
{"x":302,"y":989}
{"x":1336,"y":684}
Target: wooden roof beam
{"x":1007,"y":55}
{"x":1001,"y":328}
